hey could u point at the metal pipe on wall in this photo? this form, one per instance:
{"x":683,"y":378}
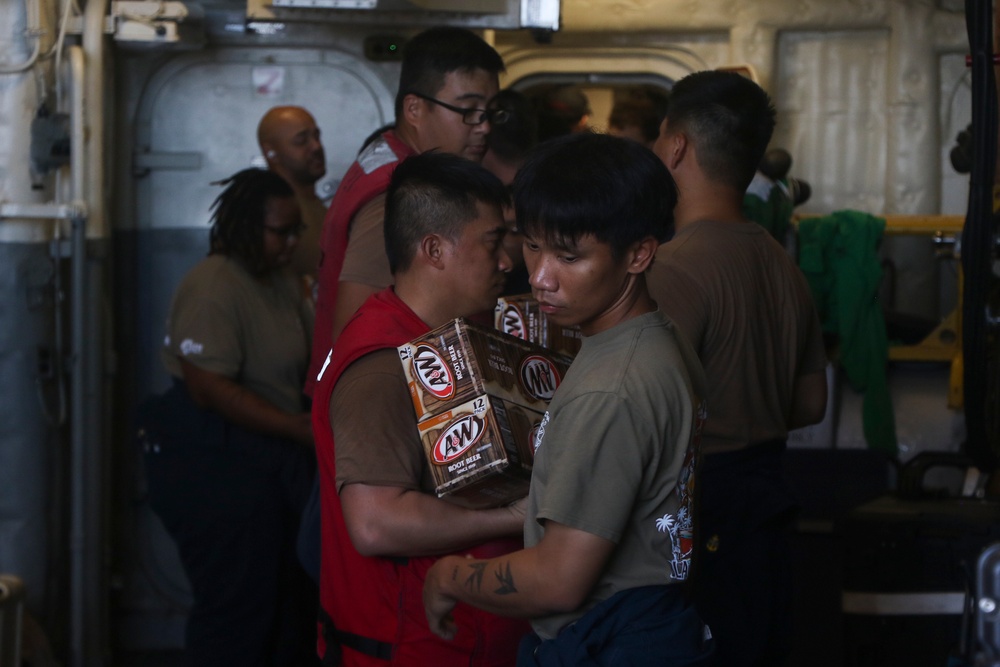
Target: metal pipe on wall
{"x":77,"y":410}
{"x":78,"y":535}
{"x":88,"y":589}
{"x":77,"y":126}
{"x":93,"y":48}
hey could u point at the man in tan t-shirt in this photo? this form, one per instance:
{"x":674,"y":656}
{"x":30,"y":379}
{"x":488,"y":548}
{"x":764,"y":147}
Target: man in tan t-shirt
{"x":746,"y":309}
{"x":290,"y":141}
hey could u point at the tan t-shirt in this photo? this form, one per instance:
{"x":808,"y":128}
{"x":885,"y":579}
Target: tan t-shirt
{"x":257,"y":333}
{"x":375,"y":428}
{"x":365,"y":261}
{"x":615,"y":454}
{"x":745,"y":307}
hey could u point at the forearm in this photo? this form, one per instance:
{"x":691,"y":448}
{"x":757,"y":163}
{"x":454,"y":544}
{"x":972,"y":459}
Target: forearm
{"x":554,"y":576}
{"x":808,"y":400}
{"x":389,"y":521}
{"x":511,"y":585}
{"x":243,"y":407}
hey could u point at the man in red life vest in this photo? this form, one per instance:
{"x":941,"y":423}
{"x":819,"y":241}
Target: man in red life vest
{"x":448,"y":75}
{"x":382,"y":525}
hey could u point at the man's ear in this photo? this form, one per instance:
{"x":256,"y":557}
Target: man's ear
{"x":677,"y":149}
{"x":641,"y":254}
{"x":267,"y":150}
{"x":432,"y":250}
{"x":413,"y":109}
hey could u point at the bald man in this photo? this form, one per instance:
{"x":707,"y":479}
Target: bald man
{"x":289,"y":140}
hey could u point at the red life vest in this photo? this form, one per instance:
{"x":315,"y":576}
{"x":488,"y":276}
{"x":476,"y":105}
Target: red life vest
{"x":367,"y":178}
{"x":372,"y":608}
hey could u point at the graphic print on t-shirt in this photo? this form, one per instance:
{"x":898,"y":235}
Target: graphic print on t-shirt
{"x":539,"y":432}
{"x":681,"y":526}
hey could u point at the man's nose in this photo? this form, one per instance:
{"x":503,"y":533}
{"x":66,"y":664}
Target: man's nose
{"x":541,"y":278}
{"x":504,"y":262}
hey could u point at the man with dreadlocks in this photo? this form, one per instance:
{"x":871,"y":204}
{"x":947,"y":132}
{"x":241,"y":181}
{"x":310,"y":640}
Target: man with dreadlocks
{"x":229,"y":446}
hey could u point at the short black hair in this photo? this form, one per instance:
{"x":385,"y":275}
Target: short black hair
{"x":559,"y":110}
{"x":432,"y":54}
{"x":638,"y":112}
{"x":728,"y":117}
{"x":434,"y":193}
{"x":238,"y":215}
{"x":514,"y":138}
{"x":594,"y":184}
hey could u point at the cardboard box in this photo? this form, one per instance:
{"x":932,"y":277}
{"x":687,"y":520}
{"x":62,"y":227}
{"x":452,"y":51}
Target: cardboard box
{"x":479,"y":396}
{"x":460,"y":361}
{"x":564,"y":340}
{"x":481,"y":451}
{"x":520,"y":316}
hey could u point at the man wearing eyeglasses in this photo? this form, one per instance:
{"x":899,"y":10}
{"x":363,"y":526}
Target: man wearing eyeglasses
{"x":448,"y":75}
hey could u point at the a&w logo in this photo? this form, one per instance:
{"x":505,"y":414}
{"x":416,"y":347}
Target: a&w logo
{"x":512,"y":322}
{"x":460,"y":435}
{"x":433,"y":372}
{"x":539,"y":377}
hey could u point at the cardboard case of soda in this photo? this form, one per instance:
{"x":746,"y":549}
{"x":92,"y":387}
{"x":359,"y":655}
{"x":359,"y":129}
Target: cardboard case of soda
{"x":481,"y":451}
{"x":479,"y":395}
{"x":521,"y":317}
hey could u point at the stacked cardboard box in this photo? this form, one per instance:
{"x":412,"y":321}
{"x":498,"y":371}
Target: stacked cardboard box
{"x":479,"y":396}
{"x":521,"y":317}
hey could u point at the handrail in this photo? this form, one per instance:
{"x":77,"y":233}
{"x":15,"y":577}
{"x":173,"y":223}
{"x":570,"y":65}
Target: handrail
{"x":910,"y":224}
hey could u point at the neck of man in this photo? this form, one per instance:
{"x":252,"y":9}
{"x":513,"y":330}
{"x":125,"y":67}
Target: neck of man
{"x":703,"y":200}
{"x":633,"y":302}
{"x":408,"y":135}
{"x":419,"y":295}
{"x":303,"y":191}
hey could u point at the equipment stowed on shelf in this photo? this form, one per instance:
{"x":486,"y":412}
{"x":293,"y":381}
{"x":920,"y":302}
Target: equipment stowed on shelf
{"x":909,"y":565}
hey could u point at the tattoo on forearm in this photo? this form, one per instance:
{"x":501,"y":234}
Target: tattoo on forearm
{"x":475,"y":579}
{"x":506,"y":580}
{"x":454,"y":574}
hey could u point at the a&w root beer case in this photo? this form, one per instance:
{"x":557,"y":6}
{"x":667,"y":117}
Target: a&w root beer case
{"x":520,"y":316}
{"x":481,"y":451}
{"x":479,"y":396}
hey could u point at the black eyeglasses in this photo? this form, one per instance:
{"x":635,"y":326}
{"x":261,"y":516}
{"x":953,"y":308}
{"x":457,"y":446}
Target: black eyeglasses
{"x":471,"y":116}
{"x":290,"y":230}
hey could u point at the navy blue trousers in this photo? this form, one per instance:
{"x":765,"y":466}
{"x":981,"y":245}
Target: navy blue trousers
{"x":743,"y":565}
{"x":652,"y":625}
{"x":231,"y":499}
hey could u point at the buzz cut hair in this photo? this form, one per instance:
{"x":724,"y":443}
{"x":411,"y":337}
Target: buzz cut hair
{"x":613,"y":189}
{"x":434,"y":193}
{"x":728,"y":118}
